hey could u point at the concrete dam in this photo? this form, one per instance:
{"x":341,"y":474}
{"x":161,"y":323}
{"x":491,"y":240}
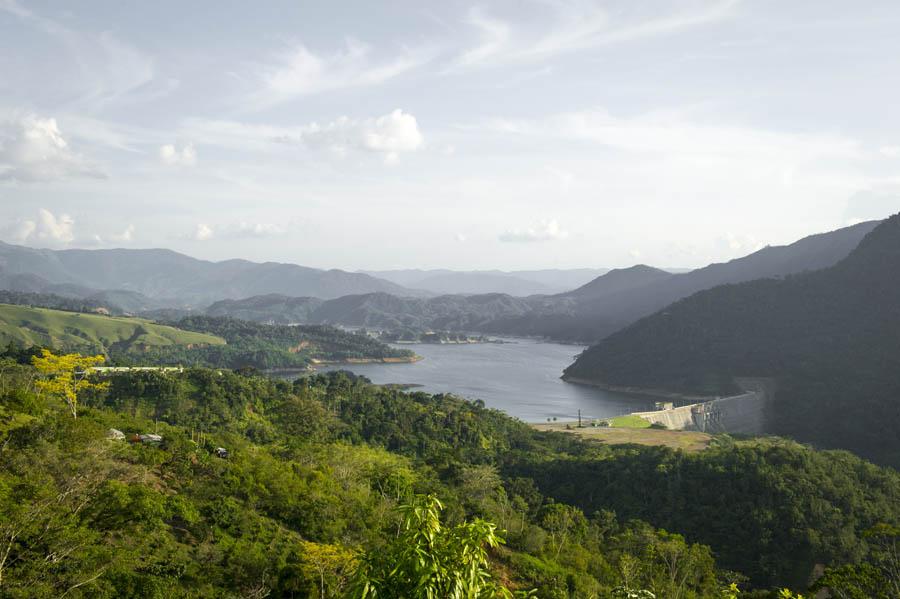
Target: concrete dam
{"x":744,"y":413}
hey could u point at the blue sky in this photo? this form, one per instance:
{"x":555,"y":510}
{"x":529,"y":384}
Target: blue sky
{"x":447,"y":134}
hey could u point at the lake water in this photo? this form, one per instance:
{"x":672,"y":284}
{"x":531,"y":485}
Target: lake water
{"x":520,"y":377}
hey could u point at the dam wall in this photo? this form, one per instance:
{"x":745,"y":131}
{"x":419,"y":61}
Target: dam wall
{"x":744,"y":413}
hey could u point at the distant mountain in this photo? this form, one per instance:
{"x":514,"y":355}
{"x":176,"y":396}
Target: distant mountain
{"x":619,"y":280}
{"x":586,"y":314}
{"x":831,"y":338}
{"x":385,"y":311}
{"x":475,"y":283}
{"x":273,"y":307}
{"x":519,"y":283}
{"x":593,"y":319}
{"x":164,"y":274}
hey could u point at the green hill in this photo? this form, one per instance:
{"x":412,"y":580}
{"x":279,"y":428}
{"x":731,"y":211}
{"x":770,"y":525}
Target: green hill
{"x":831,"y":339}
{"x":316,"y":468}
{"x":24,"y":325}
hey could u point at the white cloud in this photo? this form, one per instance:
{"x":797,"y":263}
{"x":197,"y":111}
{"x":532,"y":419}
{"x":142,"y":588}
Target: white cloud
{"x":45,"y":228}
{"x":203,"y":232}
{"x":576,"y":26}
{"x":171,"y":155}
{"x":241,"y":230}
{"x":890,"y":151}
{"x":546,"y":230}
{"x":298,"y":71}
{"x":259,"y":230}
{"x":461,"y":237}
{"x":390,"y":135}
{"x":34,"y":149}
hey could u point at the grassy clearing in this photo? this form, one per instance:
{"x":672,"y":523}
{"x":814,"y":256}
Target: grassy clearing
{"x":685,"y":440}
{"x":628,"y":421}
{"x":89,"y":332}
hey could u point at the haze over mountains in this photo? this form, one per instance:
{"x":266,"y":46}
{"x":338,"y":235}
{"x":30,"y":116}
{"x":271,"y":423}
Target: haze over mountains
{"x":148,"y":280}
{"x":517,"y":282}
{"x":171,"y":278}
{"x":585,"y":314}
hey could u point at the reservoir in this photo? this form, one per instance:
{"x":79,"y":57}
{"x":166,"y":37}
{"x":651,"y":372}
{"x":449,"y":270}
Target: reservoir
{"x":520,"y":377}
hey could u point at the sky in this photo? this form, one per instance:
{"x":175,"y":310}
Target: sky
{"x":452,"y":134}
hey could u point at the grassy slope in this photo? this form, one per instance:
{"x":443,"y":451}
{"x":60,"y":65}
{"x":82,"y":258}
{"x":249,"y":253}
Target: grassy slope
{"x":689,"y":441}
{"x":71,"y":330}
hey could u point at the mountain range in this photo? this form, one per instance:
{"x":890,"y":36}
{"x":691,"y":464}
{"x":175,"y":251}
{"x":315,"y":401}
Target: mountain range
{"x":153,"y":282}
{"x":586,"y":314}
{"x":516,"y":283}
{"x":155,"y":278}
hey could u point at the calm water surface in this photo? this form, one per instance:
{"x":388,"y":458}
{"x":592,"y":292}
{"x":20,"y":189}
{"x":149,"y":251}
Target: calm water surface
{"x":520,"y":377}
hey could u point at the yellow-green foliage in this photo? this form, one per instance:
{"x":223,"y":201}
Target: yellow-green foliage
{"x":89,"y":332}
{"x":64,"y":376}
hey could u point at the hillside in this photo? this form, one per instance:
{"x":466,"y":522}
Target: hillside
{"x":591,"y":320}
{"x":309,"y":489}
{"x":92,"y":333}
{"x":830,"y":337}
{"x":163,"y":275}
{"x":618,"y":281}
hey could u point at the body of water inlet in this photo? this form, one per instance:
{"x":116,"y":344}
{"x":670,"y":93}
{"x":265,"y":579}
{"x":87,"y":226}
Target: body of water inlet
{"x":520,"y":377}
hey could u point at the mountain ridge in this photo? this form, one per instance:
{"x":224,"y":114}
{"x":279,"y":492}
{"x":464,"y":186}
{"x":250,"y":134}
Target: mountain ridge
{"x":162,"y":274}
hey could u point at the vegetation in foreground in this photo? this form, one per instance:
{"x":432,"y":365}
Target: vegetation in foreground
{"x":306,"y":502}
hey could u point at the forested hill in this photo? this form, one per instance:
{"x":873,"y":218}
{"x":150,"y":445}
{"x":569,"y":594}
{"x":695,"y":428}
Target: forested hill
{"x":830,"y":337}
{"x":307,"y":495}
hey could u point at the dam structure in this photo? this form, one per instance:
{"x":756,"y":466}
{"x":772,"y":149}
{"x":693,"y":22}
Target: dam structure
{"x":744,"y":413}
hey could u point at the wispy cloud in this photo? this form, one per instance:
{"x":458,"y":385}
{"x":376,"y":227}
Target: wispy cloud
{"x":106,"y":69}
{"x":298,"y":71}
{"x":676,"y":133}
{"x":389,"y":136}
{"x":576,"y":26}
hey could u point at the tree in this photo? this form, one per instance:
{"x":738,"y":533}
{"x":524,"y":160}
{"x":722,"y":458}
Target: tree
{"x":430,"y":561}
{"x":66,"y":375}
{"x":331,"y":565}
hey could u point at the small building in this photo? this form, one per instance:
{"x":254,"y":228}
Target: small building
{"x":148,"y":438}
{"x":115,"y":434}
{"x":221,"y":452}
{"x":664,"y":405}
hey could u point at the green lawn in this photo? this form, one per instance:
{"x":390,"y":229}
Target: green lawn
{"x":89,"y":332}
{"x":629,"y":421}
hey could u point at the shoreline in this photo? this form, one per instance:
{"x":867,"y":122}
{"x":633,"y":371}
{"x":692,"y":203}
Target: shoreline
{"x":411,"y":360}
{"x":639,"y":391}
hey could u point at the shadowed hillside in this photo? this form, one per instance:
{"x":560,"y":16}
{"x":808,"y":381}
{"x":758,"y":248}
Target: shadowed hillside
{"x":831,"y":337}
